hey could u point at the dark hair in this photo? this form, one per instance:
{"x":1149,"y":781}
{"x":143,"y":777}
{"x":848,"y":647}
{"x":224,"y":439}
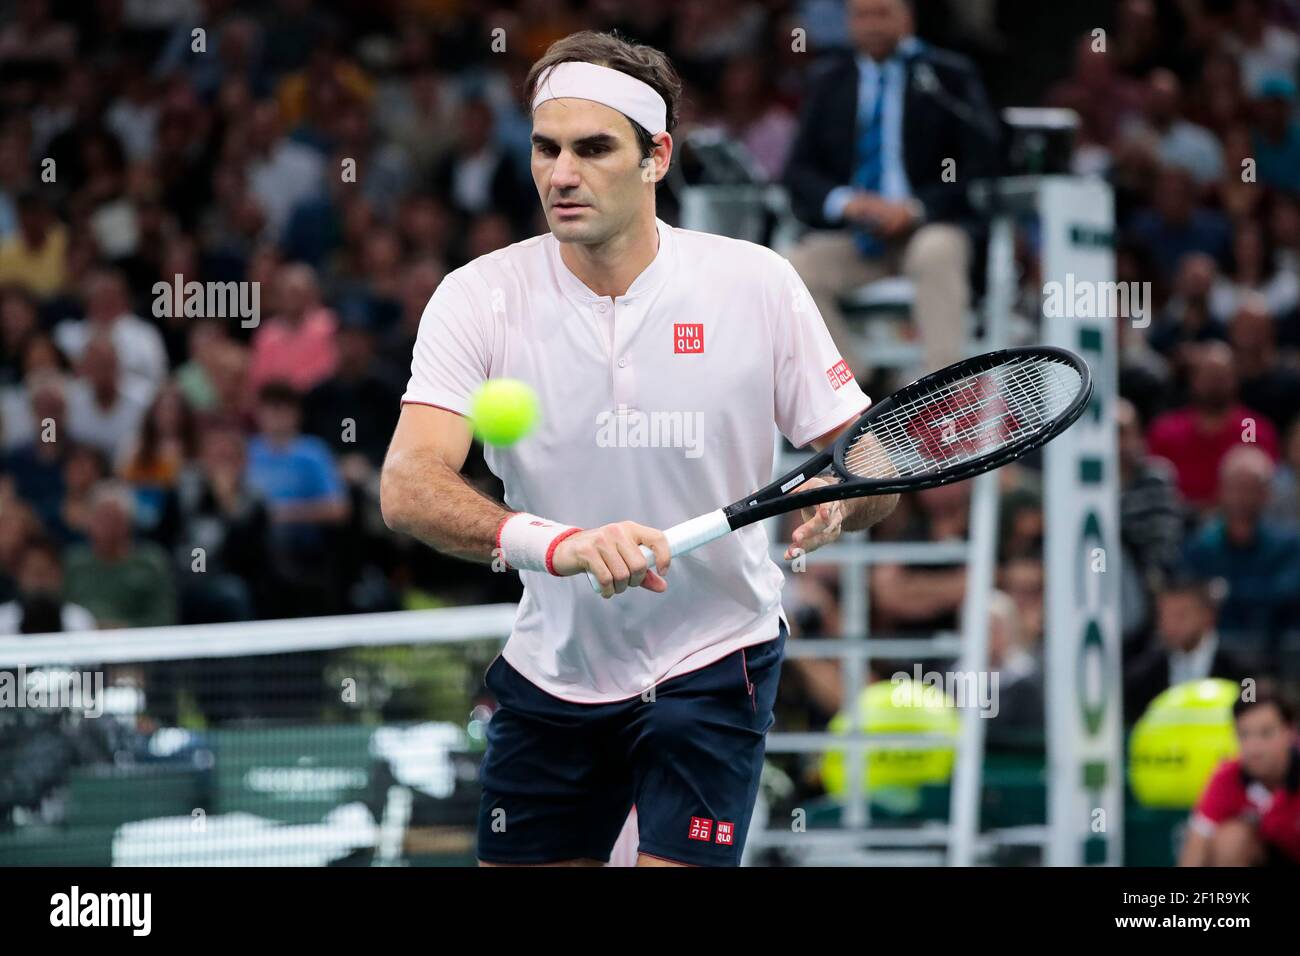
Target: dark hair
{"x":637,"y":60}
{"x":1183,"y":581}
{"x":279,"y":392}
{"x":1267,"y":694}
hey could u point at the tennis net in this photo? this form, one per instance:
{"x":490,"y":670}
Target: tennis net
{"x":349,"y":740}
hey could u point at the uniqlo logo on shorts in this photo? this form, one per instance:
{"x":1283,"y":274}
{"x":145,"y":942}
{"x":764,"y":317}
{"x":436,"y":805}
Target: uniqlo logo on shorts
{"x":688,"y":339}
{"x":726,"y":833}
{"x":839,"y":374}
{"x":701,"y":829}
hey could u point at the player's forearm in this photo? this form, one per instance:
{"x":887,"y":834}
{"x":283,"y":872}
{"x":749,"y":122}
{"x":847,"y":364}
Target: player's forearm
{"x":862,"y":513}
{"x":421,"y":495}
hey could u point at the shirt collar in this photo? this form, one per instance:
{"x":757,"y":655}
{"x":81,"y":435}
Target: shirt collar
{"x":651,"y":278}
{"x":907,"y":48}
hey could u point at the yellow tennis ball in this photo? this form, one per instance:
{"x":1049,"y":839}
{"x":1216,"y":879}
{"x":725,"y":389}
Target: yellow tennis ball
{"x":503,"y":411}
{"x":1179,"y":742}
{"x":900,"y":707}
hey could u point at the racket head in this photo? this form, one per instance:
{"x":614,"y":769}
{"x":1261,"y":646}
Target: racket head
{"x":973,"y":416}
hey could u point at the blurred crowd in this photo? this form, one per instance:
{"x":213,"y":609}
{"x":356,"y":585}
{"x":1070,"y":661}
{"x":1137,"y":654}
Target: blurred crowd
{"x":163,"y":463}
{"x":1190,"y":111}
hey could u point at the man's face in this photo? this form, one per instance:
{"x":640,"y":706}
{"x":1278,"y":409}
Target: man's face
{"x":277,"y":419}
{"x":587,"y":168}
{"x":1214,"y":380}
{"x":39,"y":574}
{"x":110,"y":526}
{"x":1265,"y":742}
{"x":1181,"y":619}
{"x":876,"y":26}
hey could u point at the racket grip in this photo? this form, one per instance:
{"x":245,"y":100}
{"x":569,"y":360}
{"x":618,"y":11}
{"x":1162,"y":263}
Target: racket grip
{"x":684,"y":538}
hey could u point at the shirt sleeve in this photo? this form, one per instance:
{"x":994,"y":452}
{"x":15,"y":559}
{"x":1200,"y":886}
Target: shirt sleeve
{"x":1223,"y":798}
{"x":815,"y":391}
{"x":452,"y":356}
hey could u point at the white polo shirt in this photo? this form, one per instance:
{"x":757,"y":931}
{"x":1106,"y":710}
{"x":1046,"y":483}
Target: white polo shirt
{"x":657,"y":406}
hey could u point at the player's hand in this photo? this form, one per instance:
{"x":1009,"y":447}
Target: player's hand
{"x":612,"y":553}
{"x":821,"y":525}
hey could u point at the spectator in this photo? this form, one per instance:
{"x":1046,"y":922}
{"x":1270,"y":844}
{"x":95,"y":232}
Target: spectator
{"x":1186,"y":647}
{"x":1259,"y":562}
{"x":1263,"y":49}
{"x":1170,"y":138}
{"x":1188,"y":317}
{"x":1254,"y":273}
{"x":36,"y":465}
{"x":99,"y":412}
{"x":1151,"y":520}
{"x":121,"y":582}
{"x":1021,"y":578}
{"x":1018,"y":665}
{"x":354,"y":411}
{"x":306,"y":496}
{"x":227,"y":522}
{"x":927,"y":598}
{"x":1267,"y":385}
{"x":1196,"y":438}
{"x":868,"y":163}
{"x":1276,"y":134}
{"x":1284,"y":507}
{"x":281,"y":173}
{"x":297,"y":346}
{"x":1174,"y":225}
{"x":480,"y":176}
{"x":39,"y":607}
{"x":1246,"y":815}
{"x":35,"y":257}
{"x":18,"y":526}
{"x":751,"y":116}
{"x":140,"y":353}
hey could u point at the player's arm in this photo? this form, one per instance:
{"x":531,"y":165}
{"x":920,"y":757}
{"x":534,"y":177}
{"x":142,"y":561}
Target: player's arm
{"x":422,"y":492}
{"x":1196,"y":849}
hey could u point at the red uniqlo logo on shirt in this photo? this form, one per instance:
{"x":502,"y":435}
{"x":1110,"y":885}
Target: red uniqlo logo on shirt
{"x":688,"y":339}
{"x":839,"y":374}
{"x":726,"y":833}
{"x":701,"y":829}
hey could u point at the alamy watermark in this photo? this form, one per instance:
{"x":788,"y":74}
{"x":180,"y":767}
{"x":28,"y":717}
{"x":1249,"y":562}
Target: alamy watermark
{"x":53,"y":689}
{"x":1087,"y":299}
{"x":977,"y":689}
{"x":211,"y":300}
{"x":629,"y":428}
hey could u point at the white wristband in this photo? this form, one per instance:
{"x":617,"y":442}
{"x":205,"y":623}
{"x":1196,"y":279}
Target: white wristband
{"x":528,"y":543}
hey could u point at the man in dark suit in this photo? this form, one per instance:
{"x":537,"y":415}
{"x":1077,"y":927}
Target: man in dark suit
{"x":1187,"y":647}
{"x":890,"y":139}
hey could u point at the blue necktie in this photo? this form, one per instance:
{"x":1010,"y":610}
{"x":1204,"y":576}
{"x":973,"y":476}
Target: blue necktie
{"x":870,"y":161}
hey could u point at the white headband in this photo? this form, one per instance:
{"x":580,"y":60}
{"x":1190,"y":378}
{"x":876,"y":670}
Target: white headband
{"x":586,"y":81}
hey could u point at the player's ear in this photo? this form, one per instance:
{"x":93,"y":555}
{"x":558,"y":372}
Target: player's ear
{"x":655,"y":166}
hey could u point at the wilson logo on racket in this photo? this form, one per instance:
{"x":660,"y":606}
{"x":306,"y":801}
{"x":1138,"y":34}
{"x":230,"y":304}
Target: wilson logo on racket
{"x":839,"y":374}
{"x":688,"y":339}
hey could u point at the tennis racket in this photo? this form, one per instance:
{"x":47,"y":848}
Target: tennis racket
{"x":971,"y":417}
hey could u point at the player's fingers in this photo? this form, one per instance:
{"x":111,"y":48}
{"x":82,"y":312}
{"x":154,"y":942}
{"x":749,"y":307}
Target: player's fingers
{"x":653,"y":582}
{"x":657,"y":542}
{"x":613,"y":558}
{"x":630,"y":550}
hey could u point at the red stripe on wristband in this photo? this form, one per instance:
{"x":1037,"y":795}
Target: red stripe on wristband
{"x":550,"y":552}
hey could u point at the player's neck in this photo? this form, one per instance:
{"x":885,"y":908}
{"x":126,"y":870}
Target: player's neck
{"x":610,"y":268}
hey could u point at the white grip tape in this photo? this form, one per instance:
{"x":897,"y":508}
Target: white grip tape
{"x":684,"y":538}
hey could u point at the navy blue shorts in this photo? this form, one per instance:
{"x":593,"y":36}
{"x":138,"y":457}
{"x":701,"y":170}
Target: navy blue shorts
{"x":560,"y":778}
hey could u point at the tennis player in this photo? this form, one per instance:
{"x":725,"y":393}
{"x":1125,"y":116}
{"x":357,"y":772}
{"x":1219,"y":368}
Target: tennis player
{"x":662,"y":358}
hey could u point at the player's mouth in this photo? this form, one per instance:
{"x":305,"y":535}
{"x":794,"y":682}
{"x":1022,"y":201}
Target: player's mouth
{"x":568,"y":209}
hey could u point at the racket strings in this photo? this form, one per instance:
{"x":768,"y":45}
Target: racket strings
{"x":965,"y":419}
